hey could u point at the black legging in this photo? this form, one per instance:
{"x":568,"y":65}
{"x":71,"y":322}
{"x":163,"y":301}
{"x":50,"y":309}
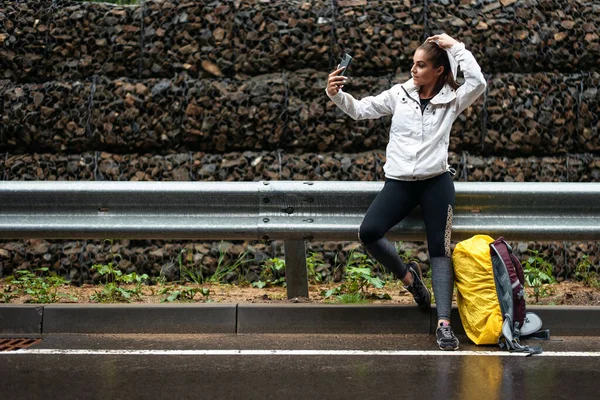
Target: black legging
{"x":394,"y":202}
{"x":397,"y":199}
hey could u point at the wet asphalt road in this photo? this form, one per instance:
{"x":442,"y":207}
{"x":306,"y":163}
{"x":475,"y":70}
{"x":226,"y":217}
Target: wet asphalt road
{"x":379,"y":376}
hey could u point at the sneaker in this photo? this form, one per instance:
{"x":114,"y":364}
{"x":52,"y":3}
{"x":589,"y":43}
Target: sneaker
{"x":445,"y":338}
{"x":418,"y":288}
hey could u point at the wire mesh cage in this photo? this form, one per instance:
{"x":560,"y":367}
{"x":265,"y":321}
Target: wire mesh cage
{"x":234,"y":90}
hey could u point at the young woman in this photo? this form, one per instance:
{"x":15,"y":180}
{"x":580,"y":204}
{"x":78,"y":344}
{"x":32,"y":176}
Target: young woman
{"x":416,"y":169}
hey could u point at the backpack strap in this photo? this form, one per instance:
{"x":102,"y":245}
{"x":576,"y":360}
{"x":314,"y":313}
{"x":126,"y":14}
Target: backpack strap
{"x":511,"y":343}
{"x":540,"y":335}
{"x":518,"y":347}
{"x":503,"y":286}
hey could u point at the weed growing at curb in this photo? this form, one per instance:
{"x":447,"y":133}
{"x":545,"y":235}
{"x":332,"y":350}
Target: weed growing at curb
{"x":271,"y":274}
{"x":112,"y":291}
{"x":538,"y":273}
{"x":358,"y":278}
{"x":313,"y":263}
{"x":223,"y":269}
{"x":585,"y":273}
{"x":351,"y":298}
{"x":42,"y":288}
{"x":405,"y":255}
{"x":183,"y":293}
{"x":8,"y":293}
{"x":189,"y":273}
{"x":361,"y":274}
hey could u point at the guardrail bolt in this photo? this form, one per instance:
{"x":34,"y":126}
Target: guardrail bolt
{"x":289,"y":210}
{"x":265,"y":220}
{"x":265,"y":183}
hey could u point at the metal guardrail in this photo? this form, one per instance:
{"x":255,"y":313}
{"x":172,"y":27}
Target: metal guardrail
{"x":293,"y":211}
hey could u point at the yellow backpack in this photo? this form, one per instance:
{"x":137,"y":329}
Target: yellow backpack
{"x":477,"y":298}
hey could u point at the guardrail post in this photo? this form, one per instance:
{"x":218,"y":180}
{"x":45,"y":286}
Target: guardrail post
{"x":296,"y":275}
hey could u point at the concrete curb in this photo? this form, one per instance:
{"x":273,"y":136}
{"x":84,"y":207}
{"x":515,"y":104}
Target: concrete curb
{"x":331,"y":318}
{"x":140,"y":318}
{"x":21,"y":319}
{"x":260,"y":318}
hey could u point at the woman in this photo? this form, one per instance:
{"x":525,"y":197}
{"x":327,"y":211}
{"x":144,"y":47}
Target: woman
{"x":416,"y":169}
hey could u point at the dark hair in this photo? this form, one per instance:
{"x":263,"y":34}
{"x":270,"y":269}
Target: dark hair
{"x":438,"y":57}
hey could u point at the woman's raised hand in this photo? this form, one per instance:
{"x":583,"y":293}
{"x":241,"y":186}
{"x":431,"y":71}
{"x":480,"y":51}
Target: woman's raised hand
{"x":443,"y":40}
{"x":335,"y":82}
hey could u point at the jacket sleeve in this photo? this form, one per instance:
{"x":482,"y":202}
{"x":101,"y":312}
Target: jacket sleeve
{"x":475,"y":83}
{"x":371,"y":107}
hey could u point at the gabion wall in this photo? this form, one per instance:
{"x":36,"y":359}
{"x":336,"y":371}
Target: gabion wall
{"x":233,"y":90}
{"x":520,"y":114}
{"x":44,"y":40}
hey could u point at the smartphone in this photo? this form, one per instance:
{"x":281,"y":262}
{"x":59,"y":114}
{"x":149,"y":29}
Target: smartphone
{"x":346,"y":60}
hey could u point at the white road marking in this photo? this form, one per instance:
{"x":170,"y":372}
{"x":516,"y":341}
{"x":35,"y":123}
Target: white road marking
{"x":78,"y":352}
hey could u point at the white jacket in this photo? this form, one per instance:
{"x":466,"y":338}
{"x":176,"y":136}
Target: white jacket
{"x":418,"y":143}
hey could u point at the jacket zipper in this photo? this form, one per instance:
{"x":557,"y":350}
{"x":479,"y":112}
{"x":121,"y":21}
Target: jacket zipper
{"x":419,"y":106}
{"x":408,"y":95}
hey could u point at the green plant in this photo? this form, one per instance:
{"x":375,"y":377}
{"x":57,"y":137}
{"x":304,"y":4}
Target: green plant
{"x":112,"y":291}
{"x":271,"y":273}
{"x":223,"y":269}
{"x":182,"y":293}
{"x":358,"y":278}
{"x":313,"y":262}
{"x":360,"y":260}
{"x":585,"y":272}
{"x":350,"y":298}
{"x":8,"y":293}
{"x":187,"y":271}
{"x":42,"y":288}
{"x":160,"y":280}
{"x":356,"y":281}
{"x":405,"y":255}
{"x":538,"y":273}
